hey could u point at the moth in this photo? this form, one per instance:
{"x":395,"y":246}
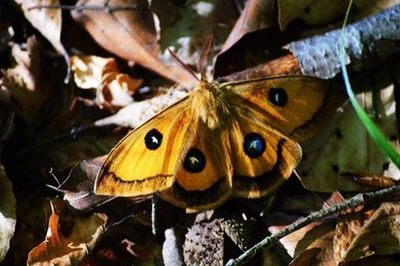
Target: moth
{"x":237,"y":139}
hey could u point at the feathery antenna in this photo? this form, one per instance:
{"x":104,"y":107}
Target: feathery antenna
{"x":203,"y":61}
{"x":182,"y":64}
{"x":205,"y":56}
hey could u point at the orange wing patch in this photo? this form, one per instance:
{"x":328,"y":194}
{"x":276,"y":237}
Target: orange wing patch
{"x":144,"y":161}
{"x":262,"y":159}
{"x":201,"y":179}
{"x":295,"y":105}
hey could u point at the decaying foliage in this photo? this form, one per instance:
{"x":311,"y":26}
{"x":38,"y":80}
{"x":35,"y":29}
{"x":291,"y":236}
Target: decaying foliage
{"x":76,"y":75}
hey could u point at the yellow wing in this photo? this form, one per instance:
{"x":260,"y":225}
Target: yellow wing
{"x":144,"y":161}
{"x":201,"y":180}
{"x":262,"y":158}
{"x":272,"y":114}
{"x":295,"y":105}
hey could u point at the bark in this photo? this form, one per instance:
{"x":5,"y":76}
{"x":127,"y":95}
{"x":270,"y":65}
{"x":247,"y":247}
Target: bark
{"x":367,"y":43}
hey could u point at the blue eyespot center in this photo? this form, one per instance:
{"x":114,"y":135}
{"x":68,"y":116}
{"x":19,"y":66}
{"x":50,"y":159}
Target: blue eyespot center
{"x":254,"y":145}
{"x":278,"y":97}
{"x":153,"y":139}
{"x":195,"y":161}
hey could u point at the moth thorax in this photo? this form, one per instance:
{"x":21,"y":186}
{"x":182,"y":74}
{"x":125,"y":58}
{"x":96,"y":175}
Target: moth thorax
{"x":209,"y":105}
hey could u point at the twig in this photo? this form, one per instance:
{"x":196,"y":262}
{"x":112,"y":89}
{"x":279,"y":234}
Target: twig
{"x":362,"y":198}
{"x":105,"y":7}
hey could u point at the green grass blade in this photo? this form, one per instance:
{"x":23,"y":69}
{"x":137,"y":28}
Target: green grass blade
{"x":373,"y":130}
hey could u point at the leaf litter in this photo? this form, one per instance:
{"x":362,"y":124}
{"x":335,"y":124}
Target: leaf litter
{"x":55,"y":151}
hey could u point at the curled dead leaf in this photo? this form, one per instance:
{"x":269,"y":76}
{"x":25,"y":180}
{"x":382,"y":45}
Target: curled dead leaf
{"x":47,"y":21}
{"x":136,"y":113}
{"x":69,"y":238}
{"x":8,"y":217}
{"x":257,"y":15}
{"x":368,"y":232}
{"x":26,"y":82}
{"x":310,"y":11}
{"x":130,"y":32}
{"x":114,"y":88}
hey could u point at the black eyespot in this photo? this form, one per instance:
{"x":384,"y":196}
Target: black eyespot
{"x":254,"y":145}
{"x":278,"y":97}
{"x":153,"y":139}
{"x":195,"y":161}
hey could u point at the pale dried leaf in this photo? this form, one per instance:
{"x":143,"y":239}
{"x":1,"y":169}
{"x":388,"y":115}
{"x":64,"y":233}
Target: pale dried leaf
{"x":114,"y":88}
{"x":172,"y":246}
{"x":47,"y":21}
{"x":69,"y":239}
{"x":8,"y":216}
{"x":138,"y":112}
{"x":27,"y":82}
{"x":379,"y":234}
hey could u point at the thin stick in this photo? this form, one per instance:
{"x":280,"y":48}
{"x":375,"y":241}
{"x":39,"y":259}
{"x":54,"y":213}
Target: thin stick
{"x":106,"y":7}
{"x":362,"y":198}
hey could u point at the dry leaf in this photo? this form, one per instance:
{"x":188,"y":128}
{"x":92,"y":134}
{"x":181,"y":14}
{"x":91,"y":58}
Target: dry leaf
{"x":321,"y":238}
{"x":370,"y":7}
{"x":131,"y":34}
{"x":114,"y":88}
{"x":172,"y":246}
{"x":8,"y":216}
{"x":47,"y":21}
{"x":77,"y":186}
{"x":306,"y":258}
{"x":27,"y":83}
{"x":69,"y":239}
{"x":367,"y":232}
{"x":345,"y":147}
{"x":137,"y":112}
{"x":310,"y":11}
{"x":374,"y":181}
{"x":257,"y":15}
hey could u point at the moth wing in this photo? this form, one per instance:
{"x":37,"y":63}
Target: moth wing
{"x":144,"y":161}
{"x":201,"y":179}
{"x":262,"y":158}
{"x":295,"y":105}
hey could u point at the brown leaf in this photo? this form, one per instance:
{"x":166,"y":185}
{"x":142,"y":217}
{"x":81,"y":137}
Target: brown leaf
{"x":136,"y":113}
{"x":332,"y":152}
{"x":8,"y":217}
{"x":69,"y":238}
{"x":372,"y":180}
{"x":310,"y":11}
{"x":114,"y":88}
{"x":77,"y":187}
{"x":321,"y":239}
{"x":257,"y":15}
{"x":47,"y":21}
{"x":368,"y":232}
{"x":26,"y":82}
{"x":306,"y":258}
{"x":130,"y":33}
